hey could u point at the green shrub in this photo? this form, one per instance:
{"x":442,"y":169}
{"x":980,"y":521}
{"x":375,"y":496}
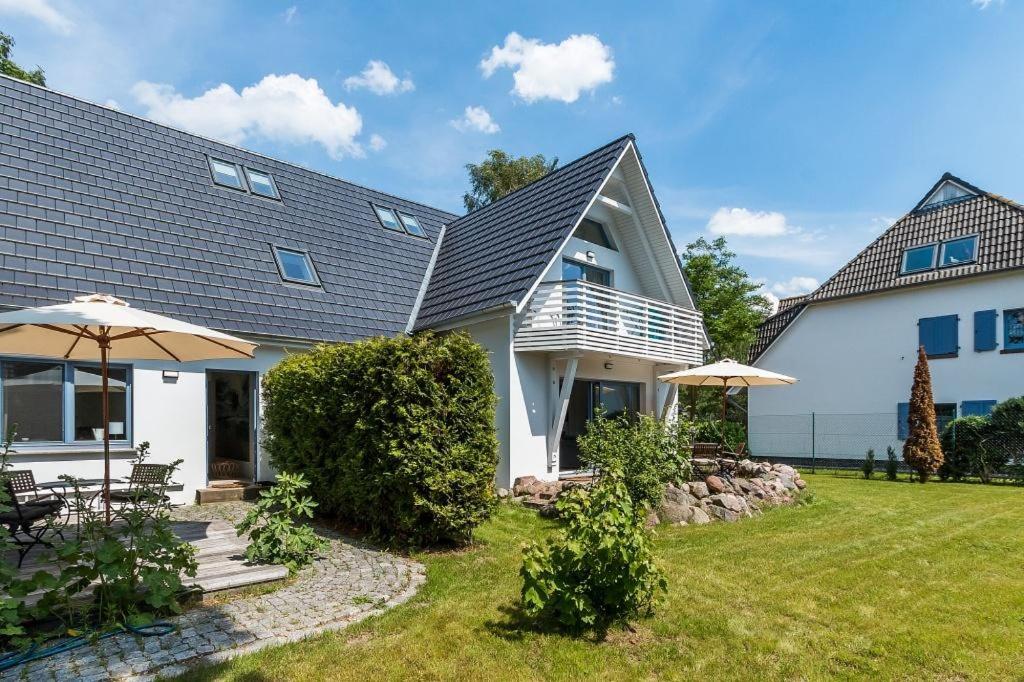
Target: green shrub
{"x":868,"y":466}
{"x":644,"y":450}
{"x":274,"y":524}
{"x":600,"y":569}
{"x":892,"y":465}
{"x":1007,"y":436}
{"x":710,"y":431}
{"x":962,"y":441}
{"x":394,"y":435}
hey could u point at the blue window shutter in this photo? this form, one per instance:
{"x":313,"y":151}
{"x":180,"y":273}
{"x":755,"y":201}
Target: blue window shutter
{"x":902,"y":420}
{"x":939,"y":335}
{"x":977,"y":408}
{"x":984,"y":330}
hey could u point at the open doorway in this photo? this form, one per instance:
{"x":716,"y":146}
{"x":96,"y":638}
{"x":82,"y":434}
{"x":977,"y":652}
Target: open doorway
{"x":615,"y":397}
{"x":230,"y":424}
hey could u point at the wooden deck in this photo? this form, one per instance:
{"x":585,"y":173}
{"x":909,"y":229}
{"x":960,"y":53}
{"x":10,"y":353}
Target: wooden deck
{"x":219,"y":552}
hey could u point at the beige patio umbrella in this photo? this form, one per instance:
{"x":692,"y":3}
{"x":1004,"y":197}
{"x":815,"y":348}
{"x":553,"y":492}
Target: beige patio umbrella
{"x":104,"y":328}
{"x":726,"y":373}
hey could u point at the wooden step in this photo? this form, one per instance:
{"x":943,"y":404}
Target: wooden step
{"x":233,"y":494}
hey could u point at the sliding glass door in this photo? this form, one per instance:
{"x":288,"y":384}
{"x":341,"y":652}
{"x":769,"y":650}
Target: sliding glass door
{"x":615,"y":397}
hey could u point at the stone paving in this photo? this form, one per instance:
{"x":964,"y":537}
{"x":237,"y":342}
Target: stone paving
{"x":348,"y":584}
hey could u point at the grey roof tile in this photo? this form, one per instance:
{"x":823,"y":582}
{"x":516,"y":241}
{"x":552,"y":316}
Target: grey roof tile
{"x":126,"y":206}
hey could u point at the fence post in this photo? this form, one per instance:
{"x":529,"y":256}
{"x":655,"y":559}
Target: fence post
{"x":813,"y":460}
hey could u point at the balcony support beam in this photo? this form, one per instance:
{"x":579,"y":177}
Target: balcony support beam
{"x":670,"y":400}
{"x":560,"y":406}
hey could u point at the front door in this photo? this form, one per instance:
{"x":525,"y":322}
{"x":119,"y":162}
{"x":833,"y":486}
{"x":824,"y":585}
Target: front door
{"x":616,"y":397}
{"x":230,"y":401}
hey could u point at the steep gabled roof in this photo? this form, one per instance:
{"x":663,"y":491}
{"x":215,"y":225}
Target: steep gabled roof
{"x":998,"y":222}
{"x":494,"y":255}
{"x":771,"y":328}
{"x":93,"y":199}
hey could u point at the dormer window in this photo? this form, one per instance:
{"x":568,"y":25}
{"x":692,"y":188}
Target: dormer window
{"x":261,"y":183}
{"x":387,"y":218}
{"x":595,"y":233}
{"x":226,"y":173}
{"x":946,"y":193}
{"x":295,"y":266}
{"x":918,"y":259}
{"x":959,"y":251}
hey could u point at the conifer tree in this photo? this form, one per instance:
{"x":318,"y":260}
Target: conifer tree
{"x":922,"y":451}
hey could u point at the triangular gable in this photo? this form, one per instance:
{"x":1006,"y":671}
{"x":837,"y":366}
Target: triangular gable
{"x":493,"y":256}
{"x":947,"y":190}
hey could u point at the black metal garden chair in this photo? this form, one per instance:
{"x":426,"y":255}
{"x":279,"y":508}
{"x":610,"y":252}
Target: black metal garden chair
{"x":146,"y":490}
{"x":28,"y":520}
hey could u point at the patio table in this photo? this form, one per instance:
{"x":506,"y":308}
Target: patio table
{"x":62,"y":489}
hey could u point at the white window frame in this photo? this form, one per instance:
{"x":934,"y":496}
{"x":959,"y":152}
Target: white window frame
{"x":942,"y":251}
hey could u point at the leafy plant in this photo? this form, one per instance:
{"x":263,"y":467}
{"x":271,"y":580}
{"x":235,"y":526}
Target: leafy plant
{"x":892,"y":465}
{"x":710,"y":431}
{"x":867,"y":467}
{"x":965,"y":450}
{"x":9,"y":68}
{"x":274,"y":524}
{"x":922,"y":450}
{"x":395,"y":435}
{"x":643,"y":450}
{"x":600,"y":568}
{"x":1007,"y":435}
{"x":500,"y":174}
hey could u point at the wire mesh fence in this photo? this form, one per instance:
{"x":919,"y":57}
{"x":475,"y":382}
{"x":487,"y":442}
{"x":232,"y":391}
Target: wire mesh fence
{"x":841,"y":441}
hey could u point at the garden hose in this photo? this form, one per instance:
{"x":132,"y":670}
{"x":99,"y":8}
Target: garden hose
{"x":35,"y":652}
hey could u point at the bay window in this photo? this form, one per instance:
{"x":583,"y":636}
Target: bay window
{"x":62,"y":402}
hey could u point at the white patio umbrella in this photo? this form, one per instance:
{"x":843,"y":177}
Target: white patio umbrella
{"x":726,"y":373}
{"x":104,"y":328}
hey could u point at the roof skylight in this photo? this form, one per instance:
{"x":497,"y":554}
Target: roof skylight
{"x":295,"y":266}
{"x":226,"y":173}
{"x":261,"y":183}
{"x":387,"y":218}
{"x":412,"y":225}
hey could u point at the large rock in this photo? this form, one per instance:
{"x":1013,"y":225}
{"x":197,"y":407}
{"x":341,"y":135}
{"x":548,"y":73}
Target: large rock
{"x":699,"y":489}
{"x":679,"y":496}
{"x":699,"y":516}
{"x":723,"y":513}
{"x":524,"y":485}
{"x":801,"y":483}
{"x":729,"y":501}
{"x":715,"y":485}
{"x":670,"y":512}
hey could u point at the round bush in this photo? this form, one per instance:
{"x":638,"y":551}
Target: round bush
{"x":962,"y":440}
{"x":395,"y":435}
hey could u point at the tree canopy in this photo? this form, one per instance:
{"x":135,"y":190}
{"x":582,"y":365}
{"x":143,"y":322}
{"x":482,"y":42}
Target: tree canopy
{"x":726,"y":295}
{"x":9,"y":68}
{"x":500,"y":174}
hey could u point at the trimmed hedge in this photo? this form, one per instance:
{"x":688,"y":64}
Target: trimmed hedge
{"x":395,"y":435}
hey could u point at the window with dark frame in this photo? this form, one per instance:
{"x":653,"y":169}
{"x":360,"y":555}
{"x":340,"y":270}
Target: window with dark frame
{"x":387,"y":218}
{"x":1013,"y":329}
{"x":261,"y":183}
{"x":595,"y":233}
{"x":412,"y":225}
{"x":918,"y":259}
{"x":226,"y":173}
{"x":295,"y":266}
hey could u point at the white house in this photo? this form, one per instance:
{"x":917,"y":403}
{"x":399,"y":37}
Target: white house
{"x":571,"y":283}
{"x":948,"y":276}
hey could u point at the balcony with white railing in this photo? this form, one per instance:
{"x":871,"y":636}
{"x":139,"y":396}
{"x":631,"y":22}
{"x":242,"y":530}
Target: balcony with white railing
{"x":583,"y":316}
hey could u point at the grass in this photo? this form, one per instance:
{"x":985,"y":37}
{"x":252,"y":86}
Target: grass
{"x":873,"y":579}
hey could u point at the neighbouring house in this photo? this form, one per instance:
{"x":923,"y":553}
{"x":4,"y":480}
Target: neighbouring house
{"x":572,"y":283}
{"x":949,"y":276}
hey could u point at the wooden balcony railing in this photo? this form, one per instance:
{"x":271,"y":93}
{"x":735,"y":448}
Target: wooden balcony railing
{"x":578,"y":315}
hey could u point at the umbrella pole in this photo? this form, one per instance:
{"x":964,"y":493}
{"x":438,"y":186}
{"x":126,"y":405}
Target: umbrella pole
{"x":725,"y":401}
{"x":104,"y":350}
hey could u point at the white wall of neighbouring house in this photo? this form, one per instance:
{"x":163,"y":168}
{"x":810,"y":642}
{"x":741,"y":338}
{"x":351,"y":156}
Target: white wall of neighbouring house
{"x":170,"y":414}
{"x":856,"y":356}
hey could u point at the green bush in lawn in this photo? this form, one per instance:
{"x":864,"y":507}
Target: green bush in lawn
{"x":276,"y":529}
{"x":600,"y":568}
{"x":395,"y":435}
{"x":867,"y":467}
{"x":892,"y":465}
{"x":645,"y":451}
{"x":961,"y":439}
{"x":1007,"y":435}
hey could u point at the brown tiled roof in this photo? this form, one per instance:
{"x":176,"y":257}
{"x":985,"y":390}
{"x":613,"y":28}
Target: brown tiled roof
{"x":789,"y":302}
{"x":998,"y":222}
{"x":770,"y":329}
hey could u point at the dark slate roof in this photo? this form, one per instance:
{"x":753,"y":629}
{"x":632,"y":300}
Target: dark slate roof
{"x":770,"y":329}
{"x":96,"y":200}
{"x":493,"y":256}
{"x":998,"y":222}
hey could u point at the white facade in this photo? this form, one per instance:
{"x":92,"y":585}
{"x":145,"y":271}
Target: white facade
{"x":854,"y":359}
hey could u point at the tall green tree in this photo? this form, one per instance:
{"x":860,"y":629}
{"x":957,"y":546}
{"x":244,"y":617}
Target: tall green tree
{"x":726,"y":295}
{"x":9,"y":68}
{"x":500,"y":174}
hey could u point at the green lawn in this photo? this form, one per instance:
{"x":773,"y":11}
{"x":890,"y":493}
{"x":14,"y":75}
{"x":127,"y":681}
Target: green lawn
{"x":872,"y":579}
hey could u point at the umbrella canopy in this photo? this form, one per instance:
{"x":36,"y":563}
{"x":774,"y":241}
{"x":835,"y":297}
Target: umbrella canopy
{"x":104,"y":328}
{"x":726,"y":373}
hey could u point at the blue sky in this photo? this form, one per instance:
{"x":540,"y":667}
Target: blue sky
{"x":799,"y":130}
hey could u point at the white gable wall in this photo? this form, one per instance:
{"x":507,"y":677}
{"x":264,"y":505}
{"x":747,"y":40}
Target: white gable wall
{"x":857,"y":355}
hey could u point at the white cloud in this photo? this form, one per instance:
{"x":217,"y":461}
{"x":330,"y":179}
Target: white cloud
{"x":795,"y":286}
{"x":377,"y":143}
{"x":478,"y":119}
{"x":984,"y":4}
{"x":113,"y":104}
{"x":379,"y":79}
{"x":285,"y":108}
{"x":40,"y":10}
{"x":742,"y":222}
{"x":552,"y":71}
{"x":289,"y":14}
